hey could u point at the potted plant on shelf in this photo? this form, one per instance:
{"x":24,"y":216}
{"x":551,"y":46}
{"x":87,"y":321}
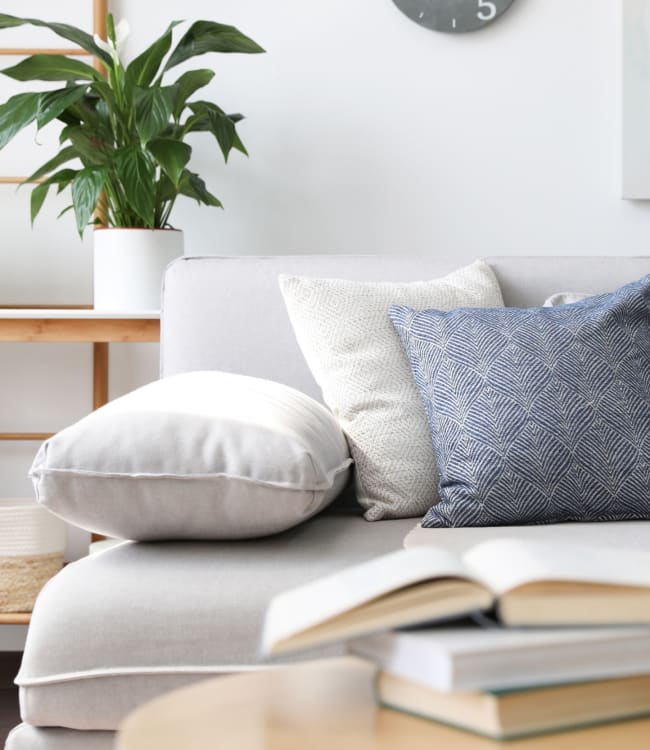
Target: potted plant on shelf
{"x":125,"y":133}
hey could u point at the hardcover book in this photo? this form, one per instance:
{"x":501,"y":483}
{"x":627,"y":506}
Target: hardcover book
{"x":467,"y":656}
{"x":504,"y":715}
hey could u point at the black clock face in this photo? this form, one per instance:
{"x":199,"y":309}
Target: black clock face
{"x":454,"y":16}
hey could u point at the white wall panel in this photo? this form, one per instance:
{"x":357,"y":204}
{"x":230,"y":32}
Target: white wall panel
{"x":636,"y":99}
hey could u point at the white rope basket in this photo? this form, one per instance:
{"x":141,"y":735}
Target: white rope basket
{"x":32,"y":541}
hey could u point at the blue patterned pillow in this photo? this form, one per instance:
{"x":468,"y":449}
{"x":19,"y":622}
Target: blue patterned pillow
{"x":537,"y":415}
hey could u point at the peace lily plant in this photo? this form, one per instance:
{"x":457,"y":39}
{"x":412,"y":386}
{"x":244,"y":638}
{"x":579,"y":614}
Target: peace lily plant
{"x":127,"y":130}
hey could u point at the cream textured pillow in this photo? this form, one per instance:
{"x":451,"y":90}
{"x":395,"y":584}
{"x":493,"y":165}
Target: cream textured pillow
{"x":356,"y":357}
{"x":205,"y":455}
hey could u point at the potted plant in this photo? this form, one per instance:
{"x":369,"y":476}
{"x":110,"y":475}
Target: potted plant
{"x":125,"y":133}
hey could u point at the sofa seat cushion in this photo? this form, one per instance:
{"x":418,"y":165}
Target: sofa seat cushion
{"x":26,"y":737}
{"x":608,"y":535}
{"x":120,"y":627}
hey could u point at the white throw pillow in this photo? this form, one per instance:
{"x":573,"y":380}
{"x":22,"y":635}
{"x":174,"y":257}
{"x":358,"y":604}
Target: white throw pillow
{"x":205,"y":455}
{"x":355,"y":356}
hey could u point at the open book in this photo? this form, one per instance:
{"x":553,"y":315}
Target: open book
{"x":530,"y":583}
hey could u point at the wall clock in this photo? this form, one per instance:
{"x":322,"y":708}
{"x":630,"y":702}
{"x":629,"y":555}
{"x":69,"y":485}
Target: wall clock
{"x":454,"y":16}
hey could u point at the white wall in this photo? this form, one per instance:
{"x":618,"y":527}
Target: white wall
{"x":366,"y":133}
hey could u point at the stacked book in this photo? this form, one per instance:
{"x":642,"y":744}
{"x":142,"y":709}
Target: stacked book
{"x":507,"y":639}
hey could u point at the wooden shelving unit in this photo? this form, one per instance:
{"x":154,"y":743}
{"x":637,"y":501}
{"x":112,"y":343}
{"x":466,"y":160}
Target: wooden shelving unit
{"x":48,"y":327}
{"x":77,"y":325}
{"x":15,"y":618}
{"x":74,"y":325}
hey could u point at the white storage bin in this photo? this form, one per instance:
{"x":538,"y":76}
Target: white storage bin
{"x":32,"y":541}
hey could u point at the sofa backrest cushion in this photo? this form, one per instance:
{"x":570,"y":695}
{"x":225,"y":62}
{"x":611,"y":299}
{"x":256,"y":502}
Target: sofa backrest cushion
{"x":227,"y":313}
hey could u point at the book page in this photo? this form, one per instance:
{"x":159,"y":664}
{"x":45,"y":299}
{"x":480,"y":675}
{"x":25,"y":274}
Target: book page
{"x":304,"y":607}
{"x":503,"y":564}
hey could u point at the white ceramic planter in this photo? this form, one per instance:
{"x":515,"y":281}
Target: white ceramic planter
{"x":129,"y":266}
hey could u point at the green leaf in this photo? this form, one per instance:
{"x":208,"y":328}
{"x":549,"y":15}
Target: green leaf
{"x":214,"y":120}
{"x":187,"y":84}
{"x":53,"y":103}
{"x":171,"y":155}
{"x":71,"y":33}
{"x":90,"y":149}
{"x":143,"y":69}
{"x":152,"y":111}
{"x":207,"y":36}
{"x":51,"y":68}
{"x":7,"y":21}
{"x":137,"y":177}
{"x":237,"y":143}
{"x":62,"y":157}
{"x":194,"y":187}
{"x":69,"y":116}
{"x":89,"y":117}
{"x":165,"y":190}
{"x":100,"y":107}
{"x":15,"y":114}
{"x":86,"y":187}
{"x":62,"y":178}
{"x":65,"y":210}
{"x":110,"y":27}
{"x":39,"y":193}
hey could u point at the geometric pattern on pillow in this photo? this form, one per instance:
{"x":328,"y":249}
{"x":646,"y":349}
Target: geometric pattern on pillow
{"x":537,"y":415}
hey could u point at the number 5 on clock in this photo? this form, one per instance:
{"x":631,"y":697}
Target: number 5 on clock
{"x":486,"y":10}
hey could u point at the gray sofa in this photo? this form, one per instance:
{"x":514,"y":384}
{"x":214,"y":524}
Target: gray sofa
{"x":116,"y":629}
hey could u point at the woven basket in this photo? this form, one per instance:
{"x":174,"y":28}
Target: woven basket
{"x":32,"y":542}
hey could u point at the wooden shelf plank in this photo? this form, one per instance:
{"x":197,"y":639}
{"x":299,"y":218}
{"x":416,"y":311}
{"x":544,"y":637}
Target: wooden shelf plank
{"x":12,"y":180}
{"x":15,"y":618}
{"x":72,"y":330}
{"x":45,"y":307}
{"x":100,"y":370}
{"x":20,"y":51}
{"x":65,"y":312}
{"x":40,"y":436}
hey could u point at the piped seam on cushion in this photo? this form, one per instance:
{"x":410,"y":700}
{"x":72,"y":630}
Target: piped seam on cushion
{"x":90,"y":674}
{"x":316,"y":487}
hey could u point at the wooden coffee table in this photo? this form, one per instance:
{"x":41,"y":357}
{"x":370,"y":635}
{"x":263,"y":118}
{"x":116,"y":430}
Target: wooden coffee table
{"x":324,"y":705}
